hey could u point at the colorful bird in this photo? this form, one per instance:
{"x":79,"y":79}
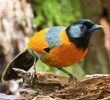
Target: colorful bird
{"x":57,"y":47}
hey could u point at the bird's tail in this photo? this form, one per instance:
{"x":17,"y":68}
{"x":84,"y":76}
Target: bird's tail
{"x":23,"y":60}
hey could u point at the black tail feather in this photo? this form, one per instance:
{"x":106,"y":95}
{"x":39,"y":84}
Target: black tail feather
{"x":24,"y":61}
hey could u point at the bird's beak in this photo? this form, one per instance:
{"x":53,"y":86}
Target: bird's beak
{"x":95,"y":27}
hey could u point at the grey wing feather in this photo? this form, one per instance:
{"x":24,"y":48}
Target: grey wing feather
{"x":52,"y":36}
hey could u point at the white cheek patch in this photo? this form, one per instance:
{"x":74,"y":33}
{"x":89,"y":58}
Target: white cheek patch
{"x":75,"y":31}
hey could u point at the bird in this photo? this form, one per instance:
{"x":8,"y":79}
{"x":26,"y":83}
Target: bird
{"x":57,"y":47}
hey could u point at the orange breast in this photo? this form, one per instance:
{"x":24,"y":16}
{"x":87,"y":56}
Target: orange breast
{"x":65,"y":55}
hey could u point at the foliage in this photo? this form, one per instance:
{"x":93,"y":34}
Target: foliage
{"x":57,"y":12}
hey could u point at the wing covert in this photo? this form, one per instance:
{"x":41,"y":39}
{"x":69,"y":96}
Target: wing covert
{"x":38,"y":42}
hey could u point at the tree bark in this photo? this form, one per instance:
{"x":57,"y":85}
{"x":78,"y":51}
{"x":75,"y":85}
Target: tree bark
{"x":46,"y":85}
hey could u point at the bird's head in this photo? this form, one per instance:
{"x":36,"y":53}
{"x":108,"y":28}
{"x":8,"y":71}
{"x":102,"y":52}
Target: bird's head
{"x":80,"y":31}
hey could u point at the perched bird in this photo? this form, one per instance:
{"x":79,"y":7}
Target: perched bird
{"x":57,"y":47}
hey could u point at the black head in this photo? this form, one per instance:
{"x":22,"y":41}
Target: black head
{"x":80,"y":31}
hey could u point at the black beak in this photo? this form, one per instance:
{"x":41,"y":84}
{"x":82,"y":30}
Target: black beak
{"x":95,"y":27}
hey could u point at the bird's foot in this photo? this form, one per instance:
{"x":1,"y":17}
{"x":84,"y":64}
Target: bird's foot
{"x":71,"y":81}
{"x":74,"y":79}
{"x":33,"y":73}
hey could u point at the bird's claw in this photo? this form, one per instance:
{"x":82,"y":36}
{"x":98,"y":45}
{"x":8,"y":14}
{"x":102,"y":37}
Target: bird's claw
{"x":32,"y":75}
{"x":73,"y":78}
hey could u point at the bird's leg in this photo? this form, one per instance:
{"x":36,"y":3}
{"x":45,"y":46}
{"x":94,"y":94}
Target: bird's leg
{"x":33,"y":71}
{"x":70,"y":76}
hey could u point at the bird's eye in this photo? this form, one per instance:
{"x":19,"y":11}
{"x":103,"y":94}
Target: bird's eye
{"x":82,"y":27}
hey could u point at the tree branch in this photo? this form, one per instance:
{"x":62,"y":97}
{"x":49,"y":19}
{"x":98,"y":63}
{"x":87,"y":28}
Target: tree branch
{"x":47,"y":85}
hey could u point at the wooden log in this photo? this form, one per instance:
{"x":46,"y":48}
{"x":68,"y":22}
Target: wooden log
{"x":52,"y":86}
